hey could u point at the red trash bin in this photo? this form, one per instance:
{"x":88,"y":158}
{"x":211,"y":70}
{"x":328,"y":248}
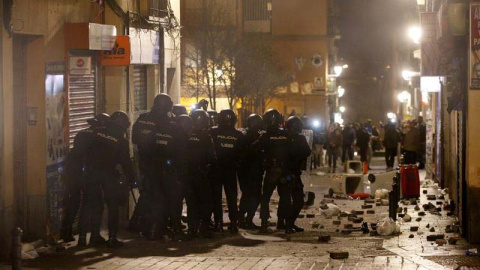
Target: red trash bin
{"x":410,"y":181}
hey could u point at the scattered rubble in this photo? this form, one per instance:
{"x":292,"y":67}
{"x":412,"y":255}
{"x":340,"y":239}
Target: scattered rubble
{"x":338,"y":255}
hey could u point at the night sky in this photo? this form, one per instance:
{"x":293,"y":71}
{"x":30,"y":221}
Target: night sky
{"x":368,"y":29}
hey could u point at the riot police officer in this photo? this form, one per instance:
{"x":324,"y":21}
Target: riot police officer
{"x":213,"y":118}
{"x":200,"y":159}
{"x":301,"y":151}
{"x":276,"y":149}
{"x":229,"y":147}
{"x":165,"y":187}
{"x":178,"y":109}
{"x":107,"y":149}
{"x":250,"y":174}
{"x":75,"y":175}
{"x":142,"y":137}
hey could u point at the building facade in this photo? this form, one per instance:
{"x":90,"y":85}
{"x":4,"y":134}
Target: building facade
{"x":301,"y":38}
{"x":61,"y":63}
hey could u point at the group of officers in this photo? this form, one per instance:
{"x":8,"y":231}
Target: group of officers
{"x":187,"y":157}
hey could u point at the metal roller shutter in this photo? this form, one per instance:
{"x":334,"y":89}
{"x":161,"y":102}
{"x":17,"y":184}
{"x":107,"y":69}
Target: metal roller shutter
{"x":140,"y":88}
{"x":81,"y":100}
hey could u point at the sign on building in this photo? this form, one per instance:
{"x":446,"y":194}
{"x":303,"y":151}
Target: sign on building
{"x":119,"y":55}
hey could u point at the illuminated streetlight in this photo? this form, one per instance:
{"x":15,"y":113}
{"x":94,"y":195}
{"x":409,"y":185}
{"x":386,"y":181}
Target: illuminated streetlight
{"x":342,"y":109}
{"x":340,"y":91}
{"x":403,"y":96}
{"x":345,"y":66}
{"x":338,"y":70}
{"x":415,"y":33}
{"x":391,"y":115}
{"x":316,"y":123}
{"x":408,"y":74}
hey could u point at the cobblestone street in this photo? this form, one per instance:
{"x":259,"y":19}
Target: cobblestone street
{"x":251,"y":250}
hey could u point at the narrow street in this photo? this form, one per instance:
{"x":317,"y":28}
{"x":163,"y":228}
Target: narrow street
{"x":251,"y":250}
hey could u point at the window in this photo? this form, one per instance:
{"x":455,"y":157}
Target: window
{"x":158,"y":8}
{"x":256,"y":10}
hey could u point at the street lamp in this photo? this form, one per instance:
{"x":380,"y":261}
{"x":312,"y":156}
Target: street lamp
{"x":338,"y":70}
{"x":342,"y":109}
{"x":403,"y":96}
{"x":415,"y":33}
{"x":340,"y":91}
{"x":408,"y":74}
{"x":390,"y":115}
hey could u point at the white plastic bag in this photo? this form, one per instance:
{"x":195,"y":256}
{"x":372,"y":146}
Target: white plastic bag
{"x":381,"y":194}
{"x":29,"y":252}
{"x":387,"y":227}
{"x":332,"y":210}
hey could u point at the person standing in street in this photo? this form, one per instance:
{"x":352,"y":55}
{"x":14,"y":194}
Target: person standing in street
{"x":276,"y":152}
{"x":363,"y":142}
{"x":348,"y":142}
{"x":334,"y":145}
{"x":166,"y":186}
{"x":411,"y":144}
{"x":142,"y":137}
{"x":298,"y":163}
{"x":200,"y":161}
{"x":229,"y":149}
{"x":107,"y":149}
{"x":390,"y":141}
{"x":251,"y":174}
{"x":75,"y":184}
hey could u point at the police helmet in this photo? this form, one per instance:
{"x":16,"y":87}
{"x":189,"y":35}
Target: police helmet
{"x":185,"y":123}
{"x":227,"y":118}
{"x":100,"y":119}
{"x":272,"y":118}
{"x":120,"y":119}
{"x":162,"y":103}
{"x":200,"y":119}
{"x":179,"y":109}
{"x":294,"y":124}
{"x":213,"y":117}
{"x":254,"y":122}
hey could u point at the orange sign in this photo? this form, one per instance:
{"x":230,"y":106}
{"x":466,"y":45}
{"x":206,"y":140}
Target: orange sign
{"x":119,"y":55}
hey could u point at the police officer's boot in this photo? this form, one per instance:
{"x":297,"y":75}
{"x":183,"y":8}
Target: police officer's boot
{"x":281,"y":223}
{"x":153,"y":232}
{"x":218,"y":226}
{"x":289,"y":226}
{"x":113,"y":242}
{"x":242,"y":222}
{"x":249,"y":225}
{"x":296,"y":228}
{"x":96,"y":239}
{"x":67,"y":235}
{"x":192,"y":231}
{"x":205,"y":230}
{"x":82,"y":240}
{"x":233,"y":228}
{"x":264,"y":226}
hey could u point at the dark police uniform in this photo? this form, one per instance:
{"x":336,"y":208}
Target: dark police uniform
{"x":276,"y":148}
{"x":76,"y":183}
{"x":142,"y":137}
{"x":300,"y":152}
{"x":201,"y":159}
{"x":165,"y":186}
{"x":229,"y":147}
{"x":250,"y":177}
{"x":108,"y":148}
